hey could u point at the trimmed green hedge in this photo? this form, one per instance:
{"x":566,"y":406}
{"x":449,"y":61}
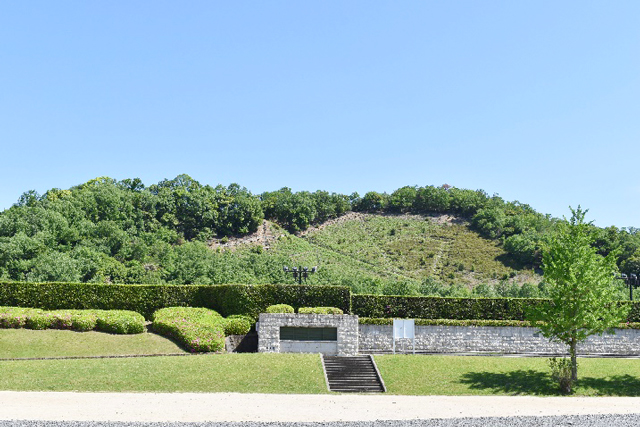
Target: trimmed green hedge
{"x":384,"y":306}
{"x":112,"y":321}
{"x":320,"y":310}
{"x":250,"y":300}
{"x":441,"y":308}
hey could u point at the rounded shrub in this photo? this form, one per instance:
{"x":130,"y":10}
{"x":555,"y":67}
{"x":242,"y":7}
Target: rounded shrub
{"x":237,"y":325}
{"x":196,"y":329}
{"x":280,"y":308}
{"x":319,"y":310}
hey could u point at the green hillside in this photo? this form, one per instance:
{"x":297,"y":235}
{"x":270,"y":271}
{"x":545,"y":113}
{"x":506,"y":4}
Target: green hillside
{"x":417,"y":240}
{"x":390,"y":254}
{"x":418,"y":247}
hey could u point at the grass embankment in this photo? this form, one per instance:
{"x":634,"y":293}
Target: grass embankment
{"x":277,"y":373}
{"x":25,"y":343}
{"x":212,"y":373}
{"x":477,"y":375}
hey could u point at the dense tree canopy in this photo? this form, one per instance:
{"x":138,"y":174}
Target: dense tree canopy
{"x":106,"y":230}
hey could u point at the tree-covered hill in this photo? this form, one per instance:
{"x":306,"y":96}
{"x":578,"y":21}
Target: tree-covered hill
{"x":414,"y":240}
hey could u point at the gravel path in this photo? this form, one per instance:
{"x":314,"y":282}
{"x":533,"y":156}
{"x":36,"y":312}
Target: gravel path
{"x":267,"y":410}
{"x":560,"y":421}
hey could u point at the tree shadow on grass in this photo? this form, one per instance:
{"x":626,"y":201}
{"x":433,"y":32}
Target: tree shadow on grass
{"x":532,"y":382}
{"x":617,"y":385}
{"x":514,"y":382}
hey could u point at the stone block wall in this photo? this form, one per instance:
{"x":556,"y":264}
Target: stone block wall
{"x":347,"y":327}
{"x":489,"y":339}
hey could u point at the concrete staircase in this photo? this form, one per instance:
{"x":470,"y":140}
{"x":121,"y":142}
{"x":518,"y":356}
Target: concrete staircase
{"x":355,"y":374}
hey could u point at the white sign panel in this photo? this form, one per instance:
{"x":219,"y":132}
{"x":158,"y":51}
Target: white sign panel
{"x":398,"y":328}
{"x":404,"y":329}
{"x":409,"y":329}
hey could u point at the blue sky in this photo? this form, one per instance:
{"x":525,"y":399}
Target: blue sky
{"x":536,"y":101}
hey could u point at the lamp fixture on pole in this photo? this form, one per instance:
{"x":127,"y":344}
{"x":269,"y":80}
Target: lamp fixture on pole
{"x":300,"y":273}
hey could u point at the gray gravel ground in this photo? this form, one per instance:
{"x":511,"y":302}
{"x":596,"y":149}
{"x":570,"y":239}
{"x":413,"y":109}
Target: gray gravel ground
{"x":559,"y":421}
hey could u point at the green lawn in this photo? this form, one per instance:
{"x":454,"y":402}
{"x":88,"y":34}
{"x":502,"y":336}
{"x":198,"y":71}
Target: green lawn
{"x":17,"y":343}
{"x":243,"y":373}
{"x":277,"y":373}
{"x":477,"y":375}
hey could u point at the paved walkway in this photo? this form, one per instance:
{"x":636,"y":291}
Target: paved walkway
{"x":201,"y":407}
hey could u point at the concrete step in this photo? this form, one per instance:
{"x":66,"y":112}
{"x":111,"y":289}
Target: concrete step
{"x":356,"y":374}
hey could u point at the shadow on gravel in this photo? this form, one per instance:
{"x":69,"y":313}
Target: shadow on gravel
{"x":539,"y":383}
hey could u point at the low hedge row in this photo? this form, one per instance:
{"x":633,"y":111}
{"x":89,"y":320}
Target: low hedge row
{"x":476,"y":322}
{"x":384,"y":306}
{"x":112,"y":321}
{"x":199,"y":329}
{"x":320,"y":310}
{"x":227,"y":300}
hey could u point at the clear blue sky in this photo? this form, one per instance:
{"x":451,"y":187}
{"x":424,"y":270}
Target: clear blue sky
{"x":537,"y":101}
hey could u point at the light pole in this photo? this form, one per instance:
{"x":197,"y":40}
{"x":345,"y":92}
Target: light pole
{"x":300,"y":273}
{"x":633,"y":280}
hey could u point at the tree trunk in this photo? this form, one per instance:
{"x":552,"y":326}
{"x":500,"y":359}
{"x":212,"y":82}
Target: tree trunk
{"x":574,"y":360}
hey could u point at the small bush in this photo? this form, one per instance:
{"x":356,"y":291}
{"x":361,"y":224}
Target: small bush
{"x":319,"y":310}
{"x":196,"y":329}
{"x":237,"y":325}
{"x":561,"y":373}
{"x":280,"y":308}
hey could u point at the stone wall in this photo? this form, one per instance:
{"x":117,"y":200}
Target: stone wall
{"x":270,"y":324}
{"x":489,"y":339}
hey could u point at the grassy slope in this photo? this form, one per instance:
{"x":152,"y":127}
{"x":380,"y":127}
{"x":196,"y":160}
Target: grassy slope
{"x":371,"y":247}
{"x":302,"y":373}
{"x":243,"y":373}
{"x":21,"y":343}
{"x":475,"y":375}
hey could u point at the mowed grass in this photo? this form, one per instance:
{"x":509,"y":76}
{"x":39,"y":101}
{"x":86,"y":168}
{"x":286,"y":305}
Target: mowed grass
{"x":212,"y":373}
{"x":277,"y":373}
{"x":24,"y":343}
{"x":479,"y":375}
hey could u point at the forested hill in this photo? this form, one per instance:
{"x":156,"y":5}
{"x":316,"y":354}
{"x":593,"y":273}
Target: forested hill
{"x":122,"y":231}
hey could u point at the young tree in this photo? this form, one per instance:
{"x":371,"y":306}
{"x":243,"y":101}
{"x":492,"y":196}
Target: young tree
{"x":582,"y":297}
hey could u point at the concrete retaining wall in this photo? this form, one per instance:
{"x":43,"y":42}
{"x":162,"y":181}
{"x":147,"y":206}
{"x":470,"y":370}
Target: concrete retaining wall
{"x":489,"y":339}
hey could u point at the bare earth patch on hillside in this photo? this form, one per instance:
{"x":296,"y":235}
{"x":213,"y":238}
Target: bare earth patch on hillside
{"x":266,"y":234}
